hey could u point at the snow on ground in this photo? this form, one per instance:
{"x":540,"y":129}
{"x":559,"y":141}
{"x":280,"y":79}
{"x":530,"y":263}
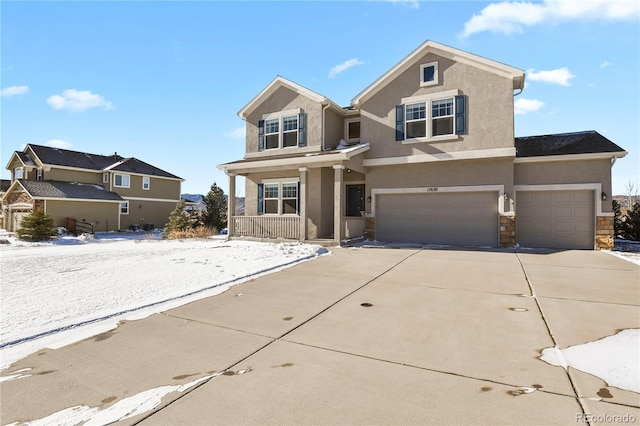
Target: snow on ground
{"x":53,"y":294}
{"x":614,"y":359}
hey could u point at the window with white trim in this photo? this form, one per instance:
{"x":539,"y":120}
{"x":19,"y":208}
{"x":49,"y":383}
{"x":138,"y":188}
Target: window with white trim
{"x":278,"y":198}
{"x":18,"y":173}
{"x":431,"y":117}
{"x":352,"y":130}
{"x":39,"y":173}
{"x":146,"y":182}
{"x":121,"y":181}
{"x":124,"y":207}
{"x":105,"y":178}
{"x":429,"y":74}
{"x":283,"y":130}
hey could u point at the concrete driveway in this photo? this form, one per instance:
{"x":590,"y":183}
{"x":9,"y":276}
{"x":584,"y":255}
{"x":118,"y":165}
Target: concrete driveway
{"x":363,"y":336}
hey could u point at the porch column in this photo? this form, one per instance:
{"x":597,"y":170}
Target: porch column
{"x":338,"y":201}
{"x":231,"y":205}
{"x":303,"y":202}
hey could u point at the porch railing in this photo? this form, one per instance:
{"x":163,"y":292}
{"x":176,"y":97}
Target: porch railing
{"x":287,"y":227}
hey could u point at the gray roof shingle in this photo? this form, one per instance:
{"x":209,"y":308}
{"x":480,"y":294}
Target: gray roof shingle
{"x":84,"y":160}
{"x":57,"y":189}
{"x":587,"y":142}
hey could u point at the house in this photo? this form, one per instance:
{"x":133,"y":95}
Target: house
{"x":425,"y":154}
{"x":104,"y":193}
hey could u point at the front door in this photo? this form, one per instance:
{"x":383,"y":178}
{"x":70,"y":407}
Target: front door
{"x":355,"y":200}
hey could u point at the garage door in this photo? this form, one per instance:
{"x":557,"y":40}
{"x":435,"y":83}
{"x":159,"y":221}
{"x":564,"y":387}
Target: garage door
{"x":455,"y":218}
{"x":555,"y":219}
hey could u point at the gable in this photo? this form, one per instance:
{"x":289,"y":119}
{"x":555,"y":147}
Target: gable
{"x":429,"y":48}
{"x":278,"y":83}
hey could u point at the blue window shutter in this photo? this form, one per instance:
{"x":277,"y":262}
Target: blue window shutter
{"x":461,"y":115}
{"x":261,"y":198}
{"x":302,"y":129}
{"x":399,"y":122}
{"x":261,"y":135}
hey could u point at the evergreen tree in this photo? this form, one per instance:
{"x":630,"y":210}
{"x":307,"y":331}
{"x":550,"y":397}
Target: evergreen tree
{"x":617,"y":219}
{"x":631,"y":224}
{"x":179,"y":220}
{"x":37,"y":226}
{"x":215,"y":212}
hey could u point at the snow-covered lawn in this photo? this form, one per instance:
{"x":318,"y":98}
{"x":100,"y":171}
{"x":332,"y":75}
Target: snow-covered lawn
{"x":55,"y":293}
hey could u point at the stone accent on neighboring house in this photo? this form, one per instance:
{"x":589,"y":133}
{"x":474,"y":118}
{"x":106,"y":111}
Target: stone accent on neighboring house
{"x":604,"y":232}
{"x":370,"y":226}
{"x":507,"y":231}
{"x":19,"y":197}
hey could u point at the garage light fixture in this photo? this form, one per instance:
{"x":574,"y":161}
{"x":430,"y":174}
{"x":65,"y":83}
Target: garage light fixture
{"x":604,"y":196}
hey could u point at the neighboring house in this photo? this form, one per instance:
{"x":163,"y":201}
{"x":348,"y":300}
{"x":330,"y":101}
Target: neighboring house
{"x":425,"y":154}
{"x":106,"y":192}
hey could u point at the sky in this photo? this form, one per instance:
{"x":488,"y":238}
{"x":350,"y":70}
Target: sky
{"x":164,"y":81}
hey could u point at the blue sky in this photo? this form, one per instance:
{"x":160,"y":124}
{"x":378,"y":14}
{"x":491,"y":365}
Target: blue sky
{"x":163,"y":81}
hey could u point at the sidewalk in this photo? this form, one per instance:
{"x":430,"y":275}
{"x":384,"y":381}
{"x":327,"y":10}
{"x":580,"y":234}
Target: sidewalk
{"x":444,"y":337}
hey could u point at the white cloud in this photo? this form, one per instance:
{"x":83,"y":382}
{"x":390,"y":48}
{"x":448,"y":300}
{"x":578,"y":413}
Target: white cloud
{"x":344,"y":66}
{"x":238,"y":133}
{"x":559,"y":76}
{"x":523,"y":106}
{"x":413,"y":4}
{"x":606,"y":64}
{"x":59,"y":143}
{"x":14,"y":90}
{"x":512,"y":17}
{"x":78,"y":100}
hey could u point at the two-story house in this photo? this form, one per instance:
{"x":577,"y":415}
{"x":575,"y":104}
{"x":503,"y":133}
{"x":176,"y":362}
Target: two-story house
{"x":425,"y":154}
{"x":109,"y":192}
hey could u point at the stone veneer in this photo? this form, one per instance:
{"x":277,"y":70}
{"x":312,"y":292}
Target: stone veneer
{"x":507,"y":231}
{"x":370,"y":226}
{"x":604,"y":232}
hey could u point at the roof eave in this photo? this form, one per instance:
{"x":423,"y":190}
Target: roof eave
{"x":301,"y":161}
{"x":278,"y":82}
{"x":571,"y":157}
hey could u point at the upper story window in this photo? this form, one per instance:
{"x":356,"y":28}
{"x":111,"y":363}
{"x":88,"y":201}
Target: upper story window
{"x":352,"y":130}
{"x":105,"y":178}
{"x":282,"y":130}
{"x":39,"y":173}
{"x":146,"y":182}
{"x":431,"y":117}
{"x":429,"y":74}
{"x":18,"y":173}
{"x":121,"y":181}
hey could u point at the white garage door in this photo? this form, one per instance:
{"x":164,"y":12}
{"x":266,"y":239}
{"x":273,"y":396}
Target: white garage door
{"x":455,"y":218}
{"x":555,"y":219}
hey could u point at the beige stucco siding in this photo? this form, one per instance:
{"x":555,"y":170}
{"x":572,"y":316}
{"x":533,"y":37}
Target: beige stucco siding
{"x":65,"y":175}
{"x":442,"y":174}
{"x":142,"y":212}
{"x":165,"y":189}
{"x":565,"y":173}
{"x":334,"y":128}
{"x":104,"y":214}
{"x":489,"y":110}
{"x":286,"y":99}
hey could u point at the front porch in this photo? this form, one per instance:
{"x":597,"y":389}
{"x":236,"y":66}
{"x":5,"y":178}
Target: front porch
{"x":301,"y":199}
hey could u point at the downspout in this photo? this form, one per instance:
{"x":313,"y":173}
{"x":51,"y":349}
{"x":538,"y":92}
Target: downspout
{"x":324,"y":109}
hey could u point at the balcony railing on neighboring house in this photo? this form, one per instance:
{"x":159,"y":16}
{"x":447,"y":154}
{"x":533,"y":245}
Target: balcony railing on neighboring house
{"x":287,"y":227}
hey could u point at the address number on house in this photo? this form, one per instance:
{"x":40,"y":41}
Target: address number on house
{"x":432,"y":189}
